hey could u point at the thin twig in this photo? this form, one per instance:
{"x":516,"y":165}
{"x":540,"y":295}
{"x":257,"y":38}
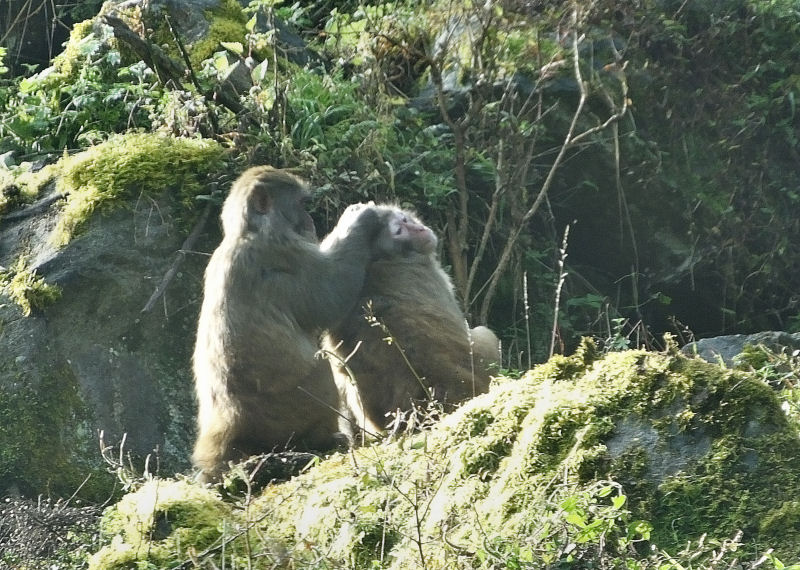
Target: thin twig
{"x":184,"y":53}
{"x":562,"y":275}
{"x":570,"y":140}
{"x":181,"y":255}
{"x":343,"y":363}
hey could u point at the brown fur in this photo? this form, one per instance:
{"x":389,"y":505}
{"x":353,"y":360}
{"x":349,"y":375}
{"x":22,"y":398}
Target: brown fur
{"x":269,"y":292}
{"x":408,"y":291}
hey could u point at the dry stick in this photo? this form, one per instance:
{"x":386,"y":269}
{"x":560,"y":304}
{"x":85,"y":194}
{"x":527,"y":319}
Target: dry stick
{"x":569,"y":142}
{"x":499,"y":190}
{"x":173,"y":270}
{"x":520,"y":174}
{"x":527,"y":314}
{"x":561,"y":276}
{"x":184,"y":54}
{"x":212,"y":117}
{"x":323,"y":403}
{"x":500,"y":186}
{"x":165,"y":67}
{"x":390,"y":339}
{"x":343,"y":362}
{"x":25,"y":13}
{"x":457,"y":236}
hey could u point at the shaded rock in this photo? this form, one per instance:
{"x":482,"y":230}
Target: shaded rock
{"x":289,"y":43}
{"x":93,"y":362}
{"x":724,"y":349}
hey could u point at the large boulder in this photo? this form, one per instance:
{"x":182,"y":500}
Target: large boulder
{"x":724,"y":349}
{"x":91,"y":361}
{"x":561,"y":466}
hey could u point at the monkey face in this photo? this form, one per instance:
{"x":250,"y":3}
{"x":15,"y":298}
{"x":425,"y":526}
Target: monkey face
{"x":404,"y":233}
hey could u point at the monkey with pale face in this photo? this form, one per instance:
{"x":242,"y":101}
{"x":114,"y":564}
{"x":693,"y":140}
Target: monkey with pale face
{"x":409,"y":299}
{"x":269,"y":292}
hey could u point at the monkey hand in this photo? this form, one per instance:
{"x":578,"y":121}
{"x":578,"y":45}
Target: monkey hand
{"x":366,"y":217}
{"x":361,"y":216}
{"x":362,"y":219}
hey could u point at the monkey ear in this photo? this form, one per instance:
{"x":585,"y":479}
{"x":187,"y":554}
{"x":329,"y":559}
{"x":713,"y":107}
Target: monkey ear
{"x":260,"y":200}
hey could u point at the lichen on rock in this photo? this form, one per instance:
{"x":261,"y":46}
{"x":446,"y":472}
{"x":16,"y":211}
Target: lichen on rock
{"x":26,"y":288}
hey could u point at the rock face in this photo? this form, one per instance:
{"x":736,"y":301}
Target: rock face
{"x":93,"y":361}
{"x":723,"y":349}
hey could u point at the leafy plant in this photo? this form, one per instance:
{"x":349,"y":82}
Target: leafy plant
{"x":83,"y":97}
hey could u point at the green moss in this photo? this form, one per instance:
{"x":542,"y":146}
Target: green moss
{"x":783,"y":521}
{"x":22,"y":186}
{"x":65,"y":65}
{"x":26,"y":289}
{"x":42,"y":420}
{"x":226,"y":24}
{"x":127,"y":165}
{"x":577,"y":449}
{"x":172,"y":518}
{"x":67,"y":62}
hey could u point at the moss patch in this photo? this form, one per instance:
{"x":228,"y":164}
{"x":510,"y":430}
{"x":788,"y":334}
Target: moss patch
{"x":546,"y":468}
{"x":125,"y":165}
{"x":226,"y":23}
{"x":44,"y":434}
{"x":163,"y":521}
{"x":26,"y":289}
{"x":22,"y":186}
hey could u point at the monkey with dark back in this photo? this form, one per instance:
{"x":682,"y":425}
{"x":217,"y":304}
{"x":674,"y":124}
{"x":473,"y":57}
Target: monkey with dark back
{"x":432,"y":352}
{"x":269,"y":292}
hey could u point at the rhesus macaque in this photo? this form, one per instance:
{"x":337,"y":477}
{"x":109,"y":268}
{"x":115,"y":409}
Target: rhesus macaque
{"x":269,"y":293}
{"x":408,"y":297}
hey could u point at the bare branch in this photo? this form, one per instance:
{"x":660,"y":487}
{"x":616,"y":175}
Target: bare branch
{"x":188,"y":244}
{"x":570,"y":140}
{"x":505,"y":256}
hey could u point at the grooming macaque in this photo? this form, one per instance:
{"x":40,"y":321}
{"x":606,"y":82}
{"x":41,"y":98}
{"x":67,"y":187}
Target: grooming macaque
{"x":409,"y":299}
{"x":269,"y":293}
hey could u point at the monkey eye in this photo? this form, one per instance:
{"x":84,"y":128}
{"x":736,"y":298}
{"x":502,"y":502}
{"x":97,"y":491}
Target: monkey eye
{"x":399,"y":230}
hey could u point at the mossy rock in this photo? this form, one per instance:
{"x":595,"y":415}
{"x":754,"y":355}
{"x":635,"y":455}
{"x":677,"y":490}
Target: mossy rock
{"x":686,"y":445}
{"x":201,"y":25}
{"x":103,"y":176}
{"x":162,"y":521}
{"x":87,"y":359}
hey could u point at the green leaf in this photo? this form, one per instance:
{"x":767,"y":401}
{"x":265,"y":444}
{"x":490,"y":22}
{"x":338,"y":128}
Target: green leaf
{"x":576,"y":519}
{"x":234,"y":47}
